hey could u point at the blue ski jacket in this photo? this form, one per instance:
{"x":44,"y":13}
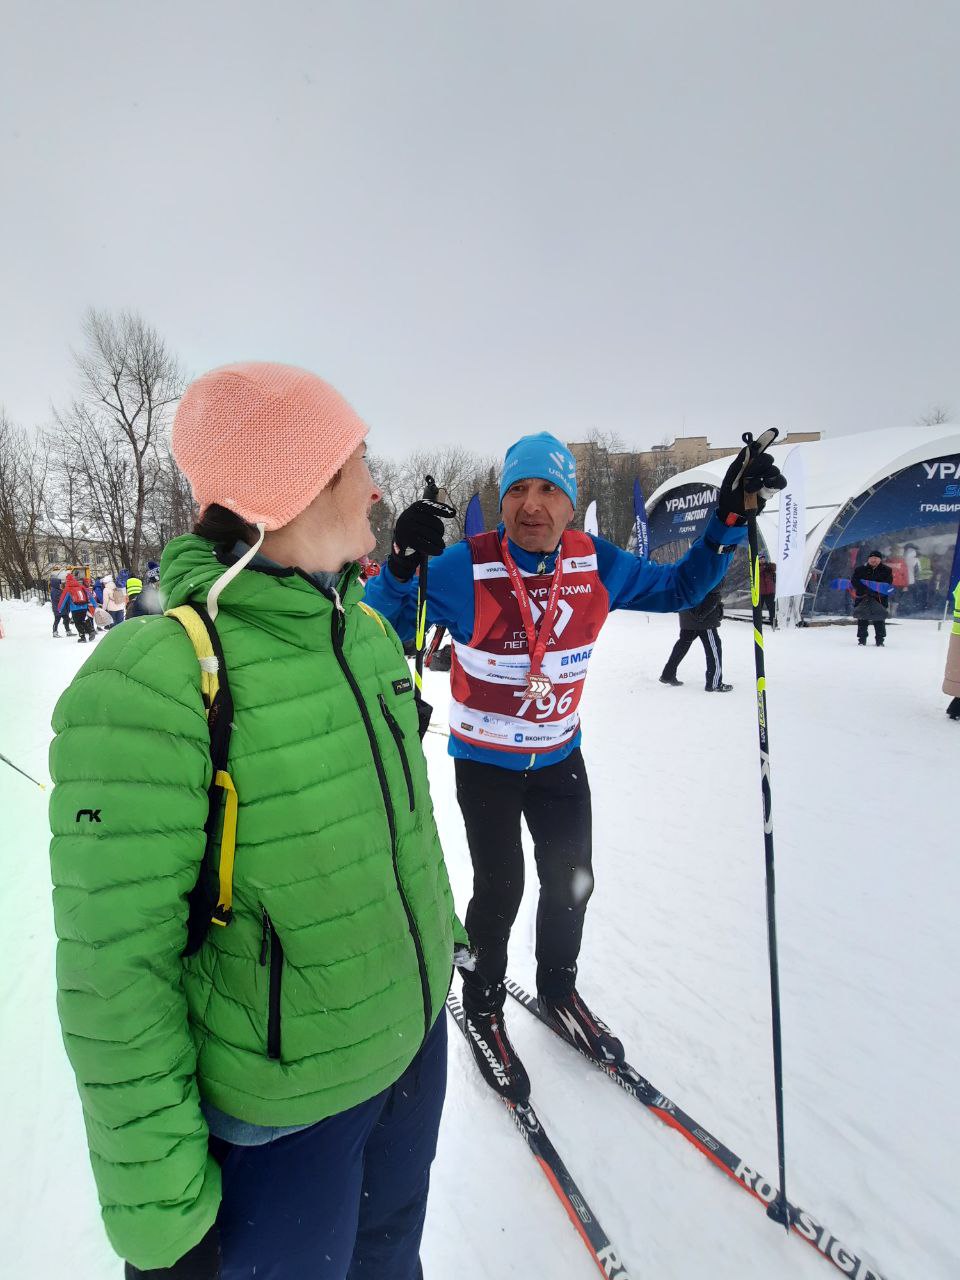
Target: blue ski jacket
{"x":630,"y":583}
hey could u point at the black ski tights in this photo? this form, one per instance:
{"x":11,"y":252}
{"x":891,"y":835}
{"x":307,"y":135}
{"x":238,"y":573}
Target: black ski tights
{"x":555,"y":801}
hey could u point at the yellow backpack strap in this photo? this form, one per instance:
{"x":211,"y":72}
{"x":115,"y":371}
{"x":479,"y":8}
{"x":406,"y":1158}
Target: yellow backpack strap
{"x":199,"y":637}
{"x":218,"y":707}
{"x":373,"y":614}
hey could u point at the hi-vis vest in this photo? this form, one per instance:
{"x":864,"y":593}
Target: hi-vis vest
{"x":488,"y":676}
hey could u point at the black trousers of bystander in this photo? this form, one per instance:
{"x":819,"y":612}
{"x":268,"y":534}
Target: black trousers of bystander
{"x":879,"y":630}
{"x":713,"y":650}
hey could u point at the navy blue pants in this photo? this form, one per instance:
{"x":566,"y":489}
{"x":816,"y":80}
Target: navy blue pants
{"x":345,"y":1199}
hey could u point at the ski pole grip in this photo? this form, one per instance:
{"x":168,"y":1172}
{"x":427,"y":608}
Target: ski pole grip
{"x":749,"y":501}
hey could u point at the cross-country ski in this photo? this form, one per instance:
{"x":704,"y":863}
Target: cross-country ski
{"x":580,"y":1213}
{"x":718,"y":1153}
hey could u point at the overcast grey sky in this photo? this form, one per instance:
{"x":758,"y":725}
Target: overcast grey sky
{"x":480,"y":219}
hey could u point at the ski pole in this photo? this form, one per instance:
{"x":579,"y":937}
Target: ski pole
{"x":21,"y":771}
{"x":779,"y":1210}
{"x":431,"y":493}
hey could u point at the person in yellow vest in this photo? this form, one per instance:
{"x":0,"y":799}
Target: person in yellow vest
{"x":134,"y":606}
{"x":951,"y":675}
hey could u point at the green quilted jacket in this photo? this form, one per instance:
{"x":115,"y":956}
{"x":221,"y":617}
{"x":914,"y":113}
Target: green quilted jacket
{"x":338,"y":958}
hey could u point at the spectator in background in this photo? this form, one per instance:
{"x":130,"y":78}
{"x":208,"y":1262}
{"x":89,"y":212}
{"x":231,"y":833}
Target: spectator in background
{"x":368,"y":568}
{"x":924,"y":580}
{"x":77,"y":599}
{"x":135,"y":607}
{"x":951,"y":676}
{"x":114,"y":599}
{"x":768,"y":589}
{"x":150,"y":598}
{"x":702,"y":620}
{"x":870,"y":605}
{"x":153,"y":572}
{"x":61,"y":612}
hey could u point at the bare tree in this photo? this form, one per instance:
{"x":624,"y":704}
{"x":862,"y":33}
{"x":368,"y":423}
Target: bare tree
{"x":605,"y":476}
{"x":112,"y":433}
{"x":170,"y":509}
{"x":23,"y":480}
{"x":65,"y":506}
{"x":457,"y":472}
{"x":934,"y":416}
{"x":664,"y":465}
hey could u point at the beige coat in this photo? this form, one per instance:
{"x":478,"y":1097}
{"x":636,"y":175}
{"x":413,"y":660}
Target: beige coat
{"x":114,"y":597}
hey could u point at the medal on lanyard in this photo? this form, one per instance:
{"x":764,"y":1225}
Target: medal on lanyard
{"x":538,"y":684}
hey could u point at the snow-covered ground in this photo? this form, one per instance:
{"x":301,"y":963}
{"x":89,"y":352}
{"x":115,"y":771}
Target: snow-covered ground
{"x":674,"y":958}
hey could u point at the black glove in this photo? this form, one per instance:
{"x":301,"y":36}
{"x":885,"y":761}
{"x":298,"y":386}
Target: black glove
{"x":752,"y":471}
{"x":201,"y":1263}
{"x":418,"y":532}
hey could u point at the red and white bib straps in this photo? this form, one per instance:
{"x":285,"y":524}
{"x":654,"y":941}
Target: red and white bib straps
{"x":488,"y":676}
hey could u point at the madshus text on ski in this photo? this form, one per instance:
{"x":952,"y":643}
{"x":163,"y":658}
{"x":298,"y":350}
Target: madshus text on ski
{"x":265,"y":850}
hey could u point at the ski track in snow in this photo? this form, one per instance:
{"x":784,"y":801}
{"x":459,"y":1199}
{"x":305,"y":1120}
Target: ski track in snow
{"x":674,"y":959}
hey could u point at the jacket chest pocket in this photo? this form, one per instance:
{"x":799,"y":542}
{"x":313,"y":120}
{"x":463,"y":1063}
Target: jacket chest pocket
{"x":398,"y":738}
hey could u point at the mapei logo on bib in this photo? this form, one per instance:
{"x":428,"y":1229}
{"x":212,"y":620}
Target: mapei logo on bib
{"x":405,"y":685}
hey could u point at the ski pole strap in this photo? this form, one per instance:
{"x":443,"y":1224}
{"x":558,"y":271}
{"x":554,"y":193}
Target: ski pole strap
{"x":211,"y":899}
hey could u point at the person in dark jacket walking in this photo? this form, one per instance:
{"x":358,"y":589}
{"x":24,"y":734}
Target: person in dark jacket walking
{"x":768,"y":589}
{"x":870,"y":606}
{"x":702,"y":620}
{"x":61,"y":612}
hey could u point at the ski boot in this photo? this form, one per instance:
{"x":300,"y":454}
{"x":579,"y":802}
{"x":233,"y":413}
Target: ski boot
{"x":490,"y":1045}
{"x":583,"y":1028}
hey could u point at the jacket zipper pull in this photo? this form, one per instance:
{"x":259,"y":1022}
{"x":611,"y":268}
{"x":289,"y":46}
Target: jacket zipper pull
{"x":394,"y":727}
{"x":264,"y":939}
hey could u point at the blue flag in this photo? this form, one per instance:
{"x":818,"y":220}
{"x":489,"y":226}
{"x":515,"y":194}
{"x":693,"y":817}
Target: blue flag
{"x":881,"y":588}
{"x":473,"y":520}
{"x":640,"y":521}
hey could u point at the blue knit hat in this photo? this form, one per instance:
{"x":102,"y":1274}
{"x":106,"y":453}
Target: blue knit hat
{"x":540,"y":457}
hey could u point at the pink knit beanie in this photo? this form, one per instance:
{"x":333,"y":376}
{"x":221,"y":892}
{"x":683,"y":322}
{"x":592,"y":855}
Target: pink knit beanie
{"x":262,"y":439}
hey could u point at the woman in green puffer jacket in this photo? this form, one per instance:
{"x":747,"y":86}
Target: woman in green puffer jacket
{"x":263,"y":1101}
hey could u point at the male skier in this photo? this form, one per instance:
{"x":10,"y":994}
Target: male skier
{"x":524,"y":605}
